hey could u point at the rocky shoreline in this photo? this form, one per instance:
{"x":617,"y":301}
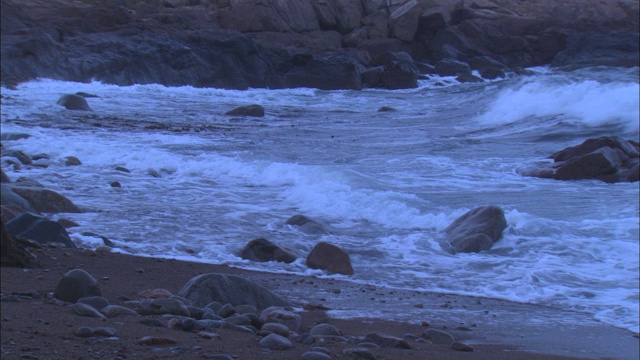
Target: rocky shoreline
{"x":330,"y":44}
{"x":37,"y":325}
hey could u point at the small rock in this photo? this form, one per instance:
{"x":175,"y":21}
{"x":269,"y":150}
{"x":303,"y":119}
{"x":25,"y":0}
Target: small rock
{"x":359,"y":354}
{"x":123,"y":169}
{"x":84,"y":332}
{"x":276,"y":342}
{"x":154,"y":341}
{"x":208,"y":335}
{"x":325,"y":330}
{"x":386,"y":109}
{"x":72,"y":161}
{"x":315,"y":355}
{"x":86,"y":310}
{"x":384,"y":340}
{"x":154,"y":293}
{"x":97,"y":302}
{"x":438,"y":337}
{"x":275,"y":328}
{"x":458,"y":346}
{"x":112,"y":311}
{"x":116,"y":184}
{"x":279,"y":315}
{"x":152,"y":322}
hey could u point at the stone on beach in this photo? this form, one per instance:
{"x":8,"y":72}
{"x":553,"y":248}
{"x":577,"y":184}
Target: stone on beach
{"x":438,"y":337}
{"x":276,"y":342}
{"x":86,"y":310}
{"x":112,"y":311}
{"x":476,"y":230}
{"x":45,"y":200}
{"x":384,"y":340}
{"x":163,"y":306}
{"x":98,"y":302}
{"x":76,"y":284}
{"x":279,"y":315}
{"x":325,"y":330}
{"x":331,"y":258}
{"x":228,"y":289}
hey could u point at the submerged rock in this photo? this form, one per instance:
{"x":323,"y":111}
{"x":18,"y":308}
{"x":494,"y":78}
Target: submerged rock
{"x":248,"y":110}
{"x":74,"y":102}
{"x":476,"y":230}
{"x":263,"y":250}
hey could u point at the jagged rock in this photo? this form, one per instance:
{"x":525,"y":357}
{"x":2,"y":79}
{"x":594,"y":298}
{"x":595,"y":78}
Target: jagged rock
{"x":263,"y":250}
{"x":609,"y":159}
{"x":72,"y":161}
{"x":39,"y":229}
{"x":74,"y":102}
{"x":228,"y":289}
{"x":325,"y":330}
{"x":331,"y":258}
{"x":76,"y":284}
{"x":86,"y":310}
{"x":476,"y":230}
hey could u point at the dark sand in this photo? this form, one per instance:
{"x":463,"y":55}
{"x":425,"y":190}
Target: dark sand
{"x":39,"y":329}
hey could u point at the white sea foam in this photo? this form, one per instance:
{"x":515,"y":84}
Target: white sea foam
{"x":585,"y":102}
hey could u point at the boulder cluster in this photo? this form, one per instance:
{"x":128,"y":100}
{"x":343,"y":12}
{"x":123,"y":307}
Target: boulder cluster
{"x":328,"y":44}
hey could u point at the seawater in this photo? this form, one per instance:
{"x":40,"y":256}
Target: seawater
{"x":385,"y":183}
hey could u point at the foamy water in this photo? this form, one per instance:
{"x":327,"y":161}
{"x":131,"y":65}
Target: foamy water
{"x":387,"y":183}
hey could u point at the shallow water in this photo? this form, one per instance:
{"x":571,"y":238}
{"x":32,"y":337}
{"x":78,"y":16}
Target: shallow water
{"x":387,"y":183}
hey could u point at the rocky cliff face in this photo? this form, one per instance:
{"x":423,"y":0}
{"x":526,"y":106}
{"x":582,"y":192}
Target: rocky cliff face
{"x":326,"y":44}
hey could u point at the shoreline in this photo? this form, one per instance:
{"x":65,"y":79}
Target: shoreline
{"x":494,"y":328}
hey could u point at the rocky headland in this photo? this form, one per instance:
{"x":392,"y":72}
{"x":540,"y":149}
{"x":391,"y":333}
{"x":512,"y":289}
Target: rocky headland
{"x":325,"y":44}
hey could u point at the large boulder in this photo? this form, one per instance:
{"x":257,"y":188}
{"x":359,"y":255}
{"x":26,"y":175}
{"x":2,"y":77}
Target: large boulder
{"x":609,"y":159}
{"x":44,"y":200}
{"x":476,"y":230}
{"x":74,"y":102}
{"x":263,"y":250}
{"x":330,"y":258}
{"x":76,"y":284}
{"x":228,"y":289}
{"x":39,"y":229}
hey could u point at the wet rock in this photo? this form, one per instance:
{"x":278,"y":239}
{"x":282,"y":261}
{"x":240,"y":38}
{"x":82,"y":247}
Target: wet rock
{"x":47,"y":201}
{"x":386,"y":109}
{"x":452,"y":67}
{"x":307,"y":225}
{"x":83,"y":332}
{"x":263,"y":250}
{"x":400,"y":71}
{"x":39,"y":229}
{"x":228,"y":289}
{"x":13,"y":136}
{"x":608,"y":159}
{"x":74,"y":102}
{"x":21,"y":156}
{"x":598,"y":48}
{"x":122,"y":169}
{"x":10,"y":198}
{"x":330,"y":258}
{"x":72,"y":161}
{"x":384,"y":340}
{"x":76,"y":284}
{"x":3,"y":177}
{"x":248,"y":110}
{"x":476,"y":230}
{"x":438,"y":337}
{"x":276,"y":342}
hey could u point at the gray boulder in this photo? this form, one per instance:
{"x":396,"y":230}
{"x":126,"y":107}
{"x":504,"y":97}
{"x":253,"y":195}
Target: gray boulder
{"x":307,"y":225}
{"x":330,"y":258}
{"x":263,"y":250}
{"x":39,"y":229}
{"x":476,"y":230}
{"x":76,"y":284}
{"x":163,"y":306}
{"x":228,"y":289}
{"x":44,"y":200}
{"x":74,"y":102}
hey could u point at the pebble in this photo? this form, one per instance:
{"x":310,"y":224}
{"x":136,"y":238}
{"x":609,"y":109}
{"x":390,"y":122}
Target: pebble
{"x":209,"y":335}
{"x":84,"y":332}
{"x":282,"y":316}
{"x":274,"y":328}
{"x":153,"y":340}
{"x":218,"y":357}
{"x":276,"y":342}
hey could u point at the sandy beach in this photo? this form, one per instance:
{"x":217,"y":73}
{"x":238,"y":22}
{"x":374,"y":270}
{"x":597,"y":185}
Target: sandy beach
{"x":34,"y":327}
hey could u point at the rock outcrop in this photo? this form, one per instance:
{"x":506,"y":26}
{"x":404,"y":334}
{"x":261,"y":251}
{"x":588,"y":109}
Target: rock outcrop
{"x":609,"y":159}
{"x":326,"y":44}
